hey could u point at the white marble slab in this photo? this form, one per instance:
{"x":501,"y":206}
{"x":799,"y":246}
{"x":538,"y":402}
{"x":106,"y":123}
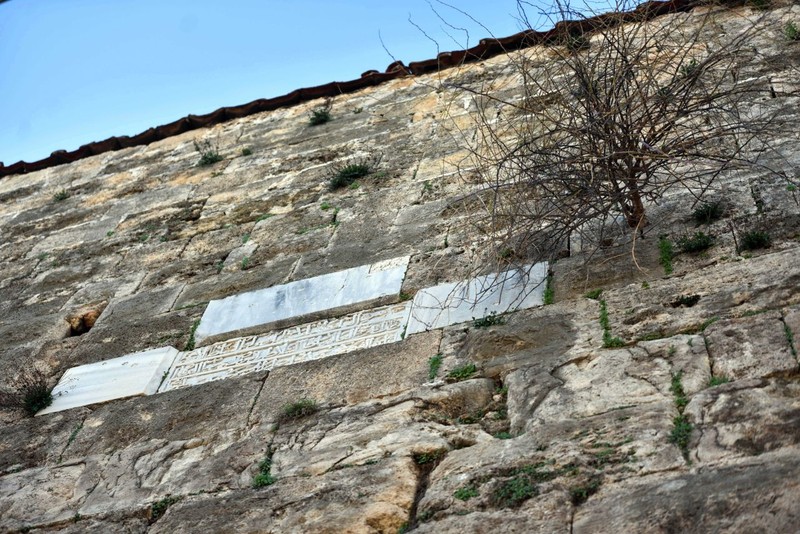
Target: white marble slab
{"x":303,"y":297}
{"x":117,"y":378}
{"x":311,"y":341}
{"x":451,"y":303}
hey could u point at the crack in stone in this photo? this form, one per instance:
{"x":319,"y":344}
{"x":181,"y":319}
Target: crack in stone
{"x":247,"y":423}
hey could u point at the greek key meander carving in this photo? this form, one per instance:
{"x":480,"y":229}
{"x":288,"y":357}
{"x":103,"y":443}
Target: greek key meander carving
{"x":302,"y":343}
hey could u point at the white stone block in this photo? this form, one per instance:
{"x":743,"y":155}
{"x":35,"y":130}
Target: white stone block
{"x":451,"y":303}
{"x":117,"y":378}
{"x":303,"y":297}
{"x":311,"y":341}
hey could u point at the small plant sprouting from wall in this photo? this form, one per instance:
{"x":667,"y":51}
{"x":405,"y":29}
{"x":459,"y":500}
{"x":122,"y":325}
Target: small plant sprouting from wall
{"x":549,"y":296}
{"x":298,"y":409}
{"x":159,"y":508}
{"x":29,"y":392}
{"x":754,"y":240}
{"x":190,"y":343}
{"x":434,"y":363}
{"x":462,"y":372}
{"x":708,"y":212}
{"x":209,"y":152}
{"x":264,"y":476}
{"x":665,"y":254}
{"x":490,"y":320}
{"x":594,"y":294}
{"x":791,"y":31}
{"x":715,"y":381}
{"x":61,"y":195}
{"x":681,"y":427}
{"x":321,"y":114}
{"x":695,"y":243}
{"x":465,"y":493}
{"x":609,"y":341}
{"x":346,"y":174}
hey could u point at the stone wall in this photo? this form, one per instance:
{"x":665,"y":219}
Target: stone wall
{"x":691,"y":425}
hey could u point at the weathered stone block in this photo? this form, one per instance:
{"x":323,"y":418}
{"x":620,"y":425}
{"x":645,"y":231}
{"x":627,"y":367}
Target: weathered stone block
{"x":452,"y":303}
{"x":304,"y":297}
{"x":117,"y":378}
{"x":310,"y":341}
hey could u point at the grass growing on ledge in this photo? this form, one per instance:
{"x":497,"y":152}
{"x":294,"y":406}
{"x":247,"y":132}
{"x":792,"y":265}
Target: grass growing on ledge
{"x":434,"y":363}
{"x":463,"y":372}
{"x":681,"y":427}
{"x":264,"y":476}
{"x":465,"y":493}
{"x":665,"y":254}
{"x":29,"y":392}
{"x":191,"y":342}
{"x":159,"y":508}
{"x":609,"y":341}
{"x":298,"y":409}
{"x":490,"y":320}
{"x":549,"y":291}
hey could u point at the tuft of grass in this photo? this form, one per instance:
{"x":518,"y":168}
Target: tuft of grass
{"x":298,"y":409}
{"x":754,"y":240}
{"x":246,"y":151}
{"x":320,"y":115}
{"x":760,"y":4}
{"x":61,"y":195}
{"x":580,"y":494}
{"x":718,"y":381}
{"x":696,"y":243}
{"x":513,"y":492}
{"x":681,"y":427}
{"x":609,"y":341}
{"x":348,"y":174}
{"x":29,"y":392}
{"x":549,"y":291}
{"x":159,"y":508}
{"x":594,"y":294}
{"x":462,"y":372}
{"x":490,"y":320}
{"x":502,"y":435}
{"x":791,"y":31}
{"x":676,"y":387}
{"x":209,"y":152}
{"x":465,"y":493}
{"x":245,"y":238}
{"x":434,"y":363}
{"x":665,"y":254}
{"x":264,"y":476}
{"x":422,"y":458}
{"x":191,"y":342}
{"x":245,"y":263}
{"x":681,"y":432}
{"x":790,"y":339}
{"x":708,"y":212}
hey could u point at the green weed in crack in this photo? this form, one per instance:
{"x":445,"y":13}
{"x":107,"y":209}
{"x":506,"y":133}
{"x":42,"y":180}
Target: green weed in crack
{"x":681,"y":427}
{"x":434,"y":363}
{"x":609,"y":341}
{"x":264,"y":476}
{"x":159,"y":508}
{"x":298,"y":409}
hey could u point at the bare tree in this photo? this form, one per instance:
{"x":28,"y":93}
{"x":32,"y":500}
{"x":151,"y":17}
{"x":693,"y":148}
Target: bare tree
{"x":615,"y":112}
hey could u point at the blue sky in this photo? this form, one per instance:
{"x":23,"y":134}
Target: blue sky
{"x":77,"y":71}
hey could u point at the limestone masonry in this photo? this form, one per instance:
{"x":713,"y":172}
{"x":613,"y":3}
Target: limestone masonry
{"x":237,"y":347}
